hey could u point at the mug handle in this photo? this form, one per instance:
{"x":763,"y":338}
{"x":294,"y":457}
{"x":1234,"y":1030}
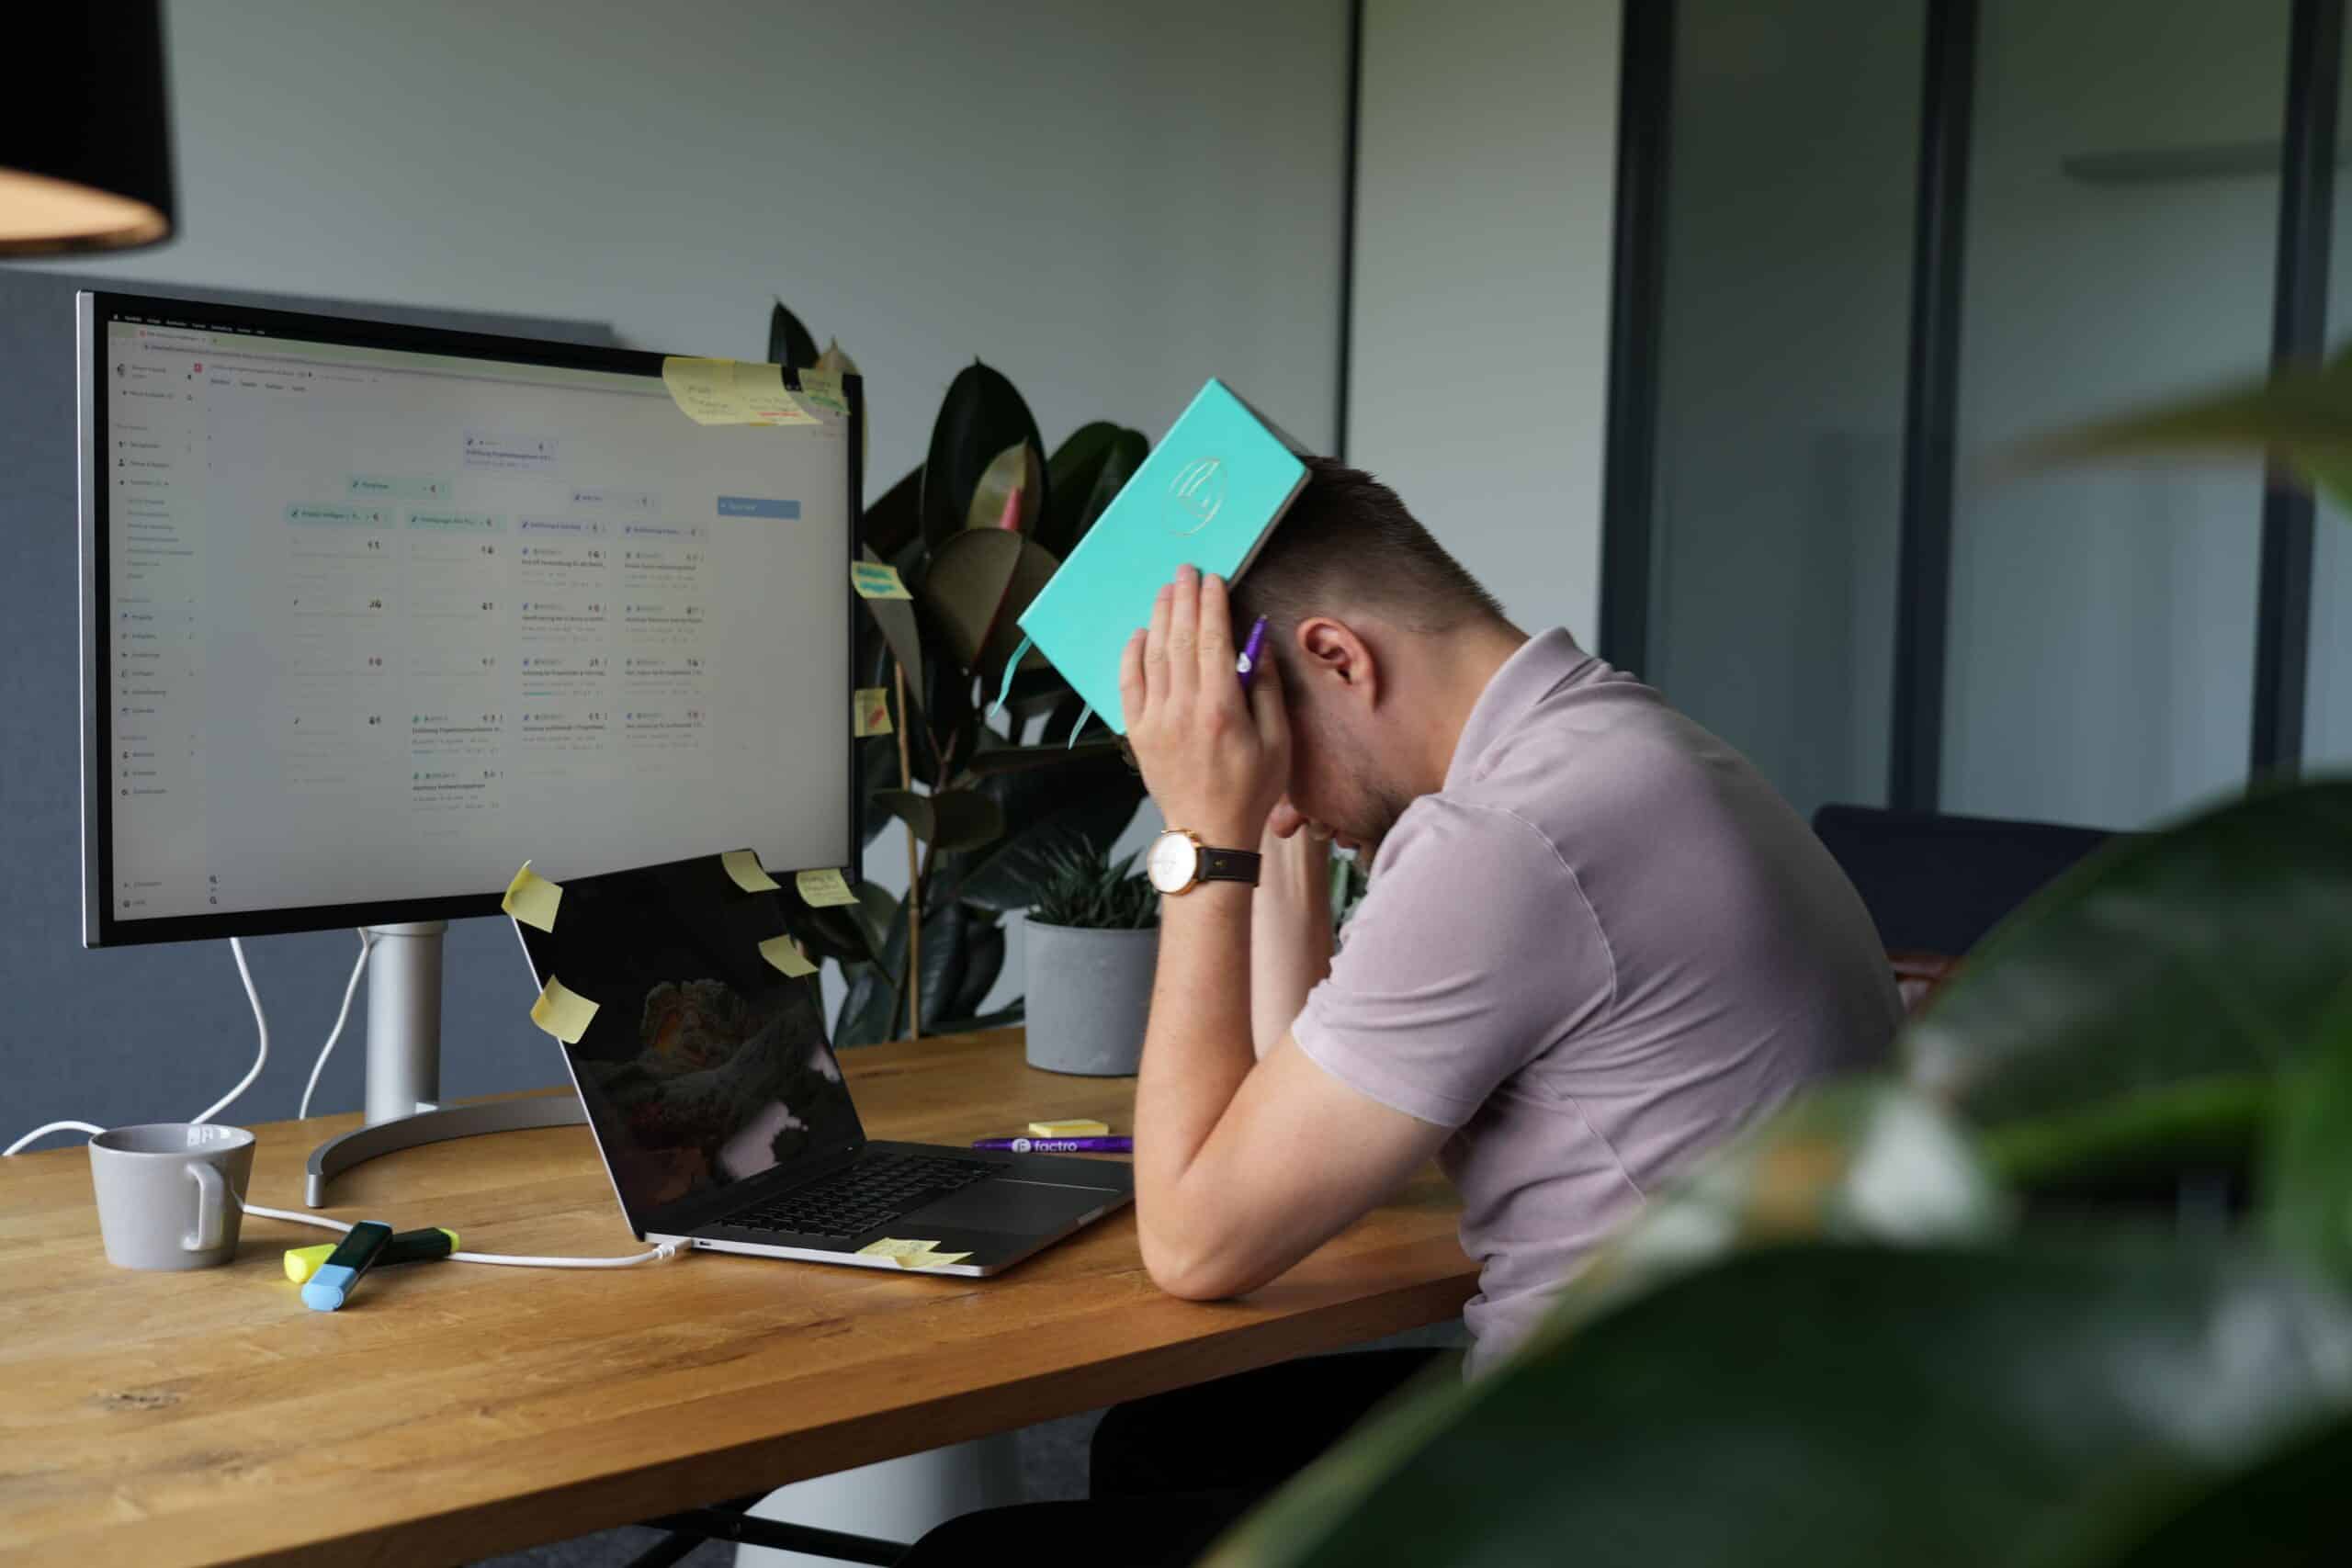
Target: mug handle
{"x":212,"y":1209}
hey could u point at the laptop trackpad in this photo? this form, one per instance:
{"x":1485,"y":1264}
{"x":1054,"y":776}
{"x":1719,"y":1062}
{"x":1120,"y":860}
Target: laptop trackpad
{"x":1003,"y":1204}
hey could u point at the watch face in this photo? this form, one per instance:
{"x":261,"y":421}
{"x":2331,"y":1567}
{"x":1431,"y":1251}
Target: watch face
{"x":1172,"y":862}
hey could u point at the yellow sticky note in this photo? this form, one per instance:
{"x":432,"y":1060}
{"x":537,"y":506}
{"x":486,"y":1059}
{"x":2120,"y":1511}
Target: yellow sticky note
{"x":562,"y":1012}
{"x":531,"y":899}
{"x":729,"y":391}
{"x":744,"y":870}
{"x":784,"y":953}
{"x":870,"y":711}
{"x":823,"y":389}
{"x":877,"y":580}
{"x":823,"y":887}
{"x":1075,"y":1127}
{"x":910,"y":1254}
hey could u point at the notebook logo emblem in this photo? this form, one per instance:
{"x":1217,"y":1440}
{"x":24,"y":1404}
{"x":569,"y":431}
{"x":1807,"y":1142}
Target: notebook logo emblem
{"x":1195,"y":496}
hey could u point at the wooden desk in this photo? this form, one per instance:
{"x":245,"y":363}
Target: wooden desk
{"x":452,"y":1411}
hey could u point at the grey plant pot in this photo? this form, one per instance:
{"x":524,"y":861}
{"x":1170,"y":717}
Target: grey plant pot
{"x":1089,"y":993}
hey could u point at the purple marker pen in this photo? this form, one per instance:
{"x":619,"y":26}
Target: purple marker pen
{"x":1114,"y":1146}
{"x":1252,"y":649}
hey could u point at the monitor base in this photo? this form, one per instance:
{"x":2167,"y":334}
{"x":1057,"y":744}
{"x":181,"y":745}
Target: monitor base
{"x":336,"y":1155}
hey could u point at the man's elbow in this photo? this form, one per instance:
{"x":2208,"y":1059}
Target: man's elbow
{"x":1193,"y":1270}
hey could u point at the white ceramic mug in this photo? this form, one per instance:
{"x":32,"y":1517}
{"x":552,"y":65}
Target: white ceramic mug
{"x":171,"y":1194}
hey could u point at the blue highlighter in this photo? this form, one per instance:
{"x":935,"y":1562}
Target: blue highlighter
{"x":339,"y":1275}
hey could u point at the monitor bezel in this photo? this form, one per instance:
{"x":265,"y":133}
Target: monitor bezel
{"x":94,"y":310}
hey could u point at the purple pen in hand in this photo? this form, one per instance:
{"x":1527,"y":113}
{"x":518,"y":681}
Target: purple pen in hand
{"x":1252,"y":650}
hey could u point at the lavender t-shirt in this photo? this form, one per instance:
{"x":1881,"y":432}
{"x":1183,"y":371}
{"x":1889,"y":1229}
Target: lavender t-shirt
{"x":1602,"y":947}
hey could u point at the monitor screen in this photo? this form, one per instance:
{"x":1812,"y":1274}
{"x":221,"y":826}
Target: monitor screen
{"x":374,"y":614}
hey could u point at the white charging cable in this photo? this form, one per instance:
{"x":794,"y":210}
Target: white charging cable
{"x":367,"y":945}
{"x":667,"y":1249}
{"x":261,"y":1058}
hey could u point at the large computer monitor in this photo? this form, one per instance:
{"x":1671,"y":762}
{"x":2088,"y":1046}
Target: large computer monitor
{"x":373,"y":612}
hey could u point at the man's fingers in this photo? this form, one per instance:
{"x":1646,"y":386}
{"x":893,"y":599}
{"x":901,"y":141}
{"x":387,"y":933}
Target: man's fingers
{"x":1184,"y":632}
{"x":1217,"y":630}
{"x":1155,"y":649}
{"x":1131,"y":686}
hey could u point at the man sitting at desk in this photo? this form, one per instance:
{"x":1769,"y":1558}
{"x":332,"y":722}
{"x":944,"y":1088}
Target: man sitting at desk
{"x":1595,"y":942}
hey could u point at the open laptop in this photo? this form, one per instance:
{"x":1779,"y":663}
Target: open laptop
{"x":722,"y":1115}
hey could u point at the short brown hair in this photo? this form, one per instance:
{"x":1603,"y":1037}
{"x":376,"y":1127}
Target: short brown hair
{"x":1348,"y":543}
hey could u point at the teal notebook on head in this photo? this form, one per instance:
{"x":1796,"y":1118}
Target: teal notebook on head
{"x":1206,"y":496}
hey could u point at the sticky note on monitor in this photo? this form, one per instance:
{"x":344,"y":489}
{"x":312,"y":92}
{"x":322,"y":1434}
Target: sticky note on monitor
{"x":877,"y":580}
{"x":731,"y":391}
{"x":531,"y":899}
{"x":823,"y":389}
{"x":743,"y":869}
{"x":821,"y":888}
{"x":562,"y":1012}
{"x":869,"y":711}
{"x":783,"y":953}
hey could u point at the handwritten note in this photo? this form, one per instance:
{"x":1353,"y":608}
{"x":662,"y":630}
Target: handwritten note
{"x":825,"y":887}
{"x":562,"y":1012}
{"x":877,"y":580}
{"x":823,"y":389}
{"x":870,"y":710}
{"x":783,"y":953}
{"x":531,"y":899}
{"x":730,"y":391}
{"x":744,"y":870}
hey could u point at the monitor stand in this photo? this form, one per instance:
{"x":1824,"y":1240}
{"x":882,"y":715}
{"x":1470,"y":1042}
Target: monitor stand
{"x":404,"y":1066}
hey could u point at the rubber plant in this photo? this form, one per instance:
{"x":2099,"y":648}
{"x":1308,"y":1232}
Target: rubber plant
{"x":973,"y":533}
{"x":2068,"y":1284}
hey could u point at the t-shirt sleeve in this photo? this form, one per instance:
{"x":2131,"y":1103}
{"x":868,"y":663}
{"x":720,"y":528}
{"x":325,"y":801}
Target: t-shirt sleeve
{"x":1472,"y":950}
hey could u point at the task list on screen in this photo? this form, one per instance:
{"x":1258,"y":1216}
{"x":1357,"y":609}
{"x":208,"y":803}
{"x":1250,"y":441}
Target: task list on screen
{"x":383,"y":625}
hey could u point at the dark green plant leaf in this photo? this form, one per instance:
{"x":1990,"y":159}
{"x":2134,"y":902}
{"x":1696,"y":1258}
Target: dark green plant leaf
{"x":1090,"y":801}
{"x":951,"y":819}
{"x":848,"y":933}
{"x":946,"y":959}
{"x":1013,"y":759}
{"x":789,"y":343}
{"x":2310,"y":1152}
{"x":964,"y":587}
{"x":2140,"y":1002}
{"x":1828,"y":1406}
{"x":1030,"y":572}
{"x":868,"y":1007}
{"x":894,"y":520}
{"x":877,"y":758}
{"x":903,"y":636}
{"x":1015,"y":467}
{"x":981,"y":415}
{"x":2285,"y":1512}
{"x":1086,"y":473}
{"x":983,"y":963}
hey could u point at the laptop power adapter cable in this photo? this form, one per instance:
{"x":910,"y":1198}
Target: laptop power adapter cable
{"x":261,"y":1024}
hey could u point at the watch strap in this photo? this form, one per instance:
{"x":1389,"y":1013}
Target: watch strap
{"x":1227,"y":865}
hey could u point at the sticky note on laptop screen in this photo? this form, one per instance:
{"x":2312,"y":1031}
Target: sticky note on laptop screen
{"x":1206,"y":496}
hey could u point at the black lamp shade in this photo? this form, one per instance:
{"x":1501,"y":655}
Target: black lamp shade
{"x":85,"y":149}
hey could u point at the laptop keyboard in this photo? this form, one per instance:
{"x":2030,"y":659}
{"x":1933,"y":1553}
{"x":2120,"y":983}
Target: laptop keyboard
{"x":865,"y":1196}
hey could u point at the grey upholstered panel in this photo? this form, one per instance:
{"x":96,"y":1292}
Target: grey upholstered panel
{"x":157,"y":1033}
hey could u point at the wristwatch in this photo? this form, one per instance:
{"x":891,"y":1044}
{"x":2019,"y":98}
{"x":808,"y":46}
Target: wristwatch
{"x":1179,"y":861}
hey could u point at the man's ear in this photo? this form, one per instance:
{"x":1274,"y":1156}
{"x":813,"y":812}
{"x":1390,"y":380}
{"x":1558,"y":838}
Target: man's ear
{"x":1337,"y":662}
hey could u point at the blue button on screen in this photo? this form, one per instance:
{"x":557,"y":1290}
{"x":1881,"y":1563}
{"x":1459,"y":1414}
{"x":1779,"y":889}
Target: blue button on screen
{"x":759,"y":506}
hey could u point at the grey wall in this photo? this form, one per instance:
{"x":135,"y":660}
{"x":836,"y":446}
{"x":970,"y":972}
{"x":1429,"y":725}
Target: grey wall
{"x":1485,"y":205}
{"x":157,"y":1034}
{"x":1110,"y":203}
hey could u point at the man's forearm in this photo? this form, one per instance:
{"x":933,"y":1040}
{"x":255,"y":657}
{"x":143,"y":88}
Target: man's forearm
{"x":1289,"y":933}
{"x":1196,"y":1054}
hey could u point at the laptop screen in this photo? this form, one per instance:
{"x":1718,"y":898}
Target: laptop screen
{"x":704,"y":1066}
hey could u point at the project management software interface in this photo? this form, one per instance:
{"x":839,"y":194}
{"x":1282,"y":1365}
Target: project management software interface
{"x":384,"y":624}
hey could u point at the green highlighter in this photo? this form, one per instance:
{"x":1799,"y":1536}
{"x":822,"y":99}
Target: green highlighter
{"x":303,"y":1263}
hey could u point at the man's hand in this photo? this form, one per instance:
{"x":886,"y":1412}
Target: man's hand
{"x":1214,"y":763}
